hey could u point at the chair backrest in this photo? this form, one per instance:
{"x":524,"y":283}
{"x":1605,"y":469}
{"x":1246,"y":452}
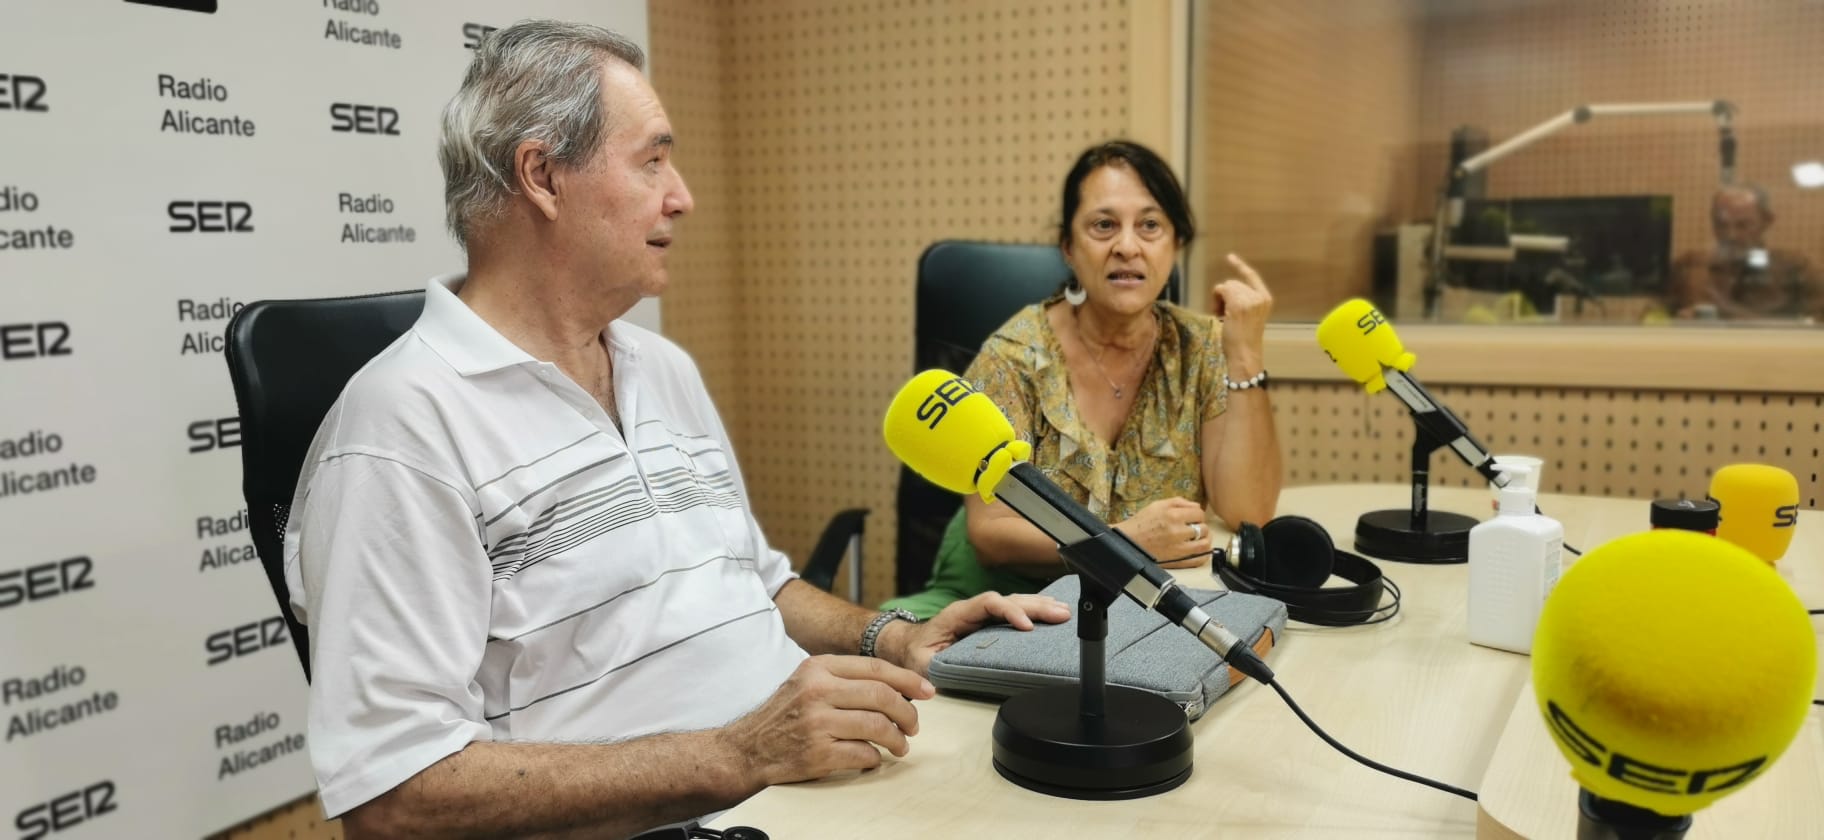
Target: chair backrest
{"x":289,"y":360}
{"x":966,"y":290}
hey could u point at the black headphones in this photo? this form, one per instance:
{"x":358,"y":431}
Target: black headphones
{"x":1289,"y":559}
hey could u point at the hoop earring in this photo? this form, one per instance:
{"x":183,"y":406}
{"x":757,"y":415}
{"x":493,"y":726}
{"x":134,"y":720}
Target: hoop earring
{"x":1075,"y":294}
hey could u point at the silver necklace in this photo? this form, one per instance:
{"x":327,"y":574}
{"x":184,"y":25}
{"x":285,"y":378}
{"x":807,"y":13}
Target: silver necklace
{"x":1095,"y":354}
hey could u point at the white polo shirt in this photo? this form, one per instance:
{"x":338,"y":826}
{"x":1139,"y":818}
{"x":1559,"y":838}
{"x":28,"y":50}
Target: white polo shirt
{"x":480,"y":554}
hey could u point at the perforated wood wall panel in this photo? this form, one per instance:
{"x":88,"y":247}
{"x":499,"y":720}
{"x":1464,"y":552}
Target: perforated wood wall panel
{"x":1506,"y":66}
{"x":300,"y":820}
{"x":1626,"y":443}
{"x":1304,"y":116}
{"x":689,"y":40}
{"x":843,"y":138}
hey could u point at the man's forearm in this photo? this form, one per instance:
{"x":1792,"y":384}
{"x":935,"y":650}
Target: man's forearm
{"x":820,"y":622}
{"x":516,"y":790}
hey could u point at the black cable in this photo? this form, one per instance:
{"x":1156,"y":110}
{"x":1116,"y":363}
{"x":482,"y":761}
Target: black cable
{"x":1391,"y":771}
{"x":1567,"y":546}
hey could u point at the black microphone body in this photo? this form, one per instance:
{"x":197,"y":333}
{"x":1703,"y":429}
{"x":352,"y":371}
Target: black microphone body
{"x":1118,"y":564}
{"x":1726,"y":151}
{"x":1607,"y":819}
{"x":1436,"y":421}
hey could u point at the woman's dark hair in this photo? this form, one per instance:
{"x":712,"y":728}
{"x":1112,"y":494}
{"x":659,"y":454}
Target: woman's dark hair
{"x":1154,"y":174}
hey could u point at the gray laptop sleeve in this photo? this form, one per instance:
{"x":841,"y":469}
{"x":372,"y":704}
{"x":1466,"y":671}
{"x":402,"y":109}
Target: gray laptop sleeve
{"x":1144,"y":650}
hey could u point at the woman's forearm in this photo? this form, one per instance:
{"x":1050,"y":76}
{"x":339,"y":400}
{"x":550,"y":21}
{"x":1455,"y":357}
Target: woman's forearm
{"x":1004,"y":541}
{"x":1248,"y":471}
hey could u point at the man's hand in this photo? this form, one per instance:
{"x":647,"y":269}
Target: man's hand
{"x":913,"y":645}
{"x":834,"y":713}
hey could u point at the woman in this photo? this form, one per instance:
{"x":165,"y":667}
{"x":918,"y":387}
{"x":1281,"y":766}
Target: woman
{"x":1148,"y":413}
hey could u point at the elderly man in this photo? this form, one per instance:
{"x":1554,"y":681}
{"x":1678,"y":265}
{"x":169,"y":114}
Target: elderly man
{"x":538,"y":600}
{"x":1741,"y":277}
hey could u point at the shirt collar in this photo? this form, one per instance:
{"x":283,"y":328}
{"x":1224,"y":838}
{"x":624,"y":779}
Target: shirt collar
{"x":453,"y":331}
{"x":471,"y":345}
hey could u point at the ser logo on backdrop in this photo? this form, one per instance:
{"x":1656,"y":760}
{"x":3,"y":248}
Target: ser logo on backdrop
{"x":19,"y":92}
{"x":66,"y":811}
{"x":210,"y":216}
{"x":45,"y":580}
{"x":34,"y":341}
{"x":346,"y":117}
{"x":249,"y":638}
{"x":472,"y":33}
{"x":222,"y":433}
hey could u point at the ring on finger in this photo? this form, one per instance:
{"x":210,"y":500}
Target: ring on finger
{"x":1196,"y":531}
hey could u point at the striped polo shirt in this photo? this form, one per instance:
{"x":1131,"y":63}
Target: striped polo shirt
{"x":482,"y":554}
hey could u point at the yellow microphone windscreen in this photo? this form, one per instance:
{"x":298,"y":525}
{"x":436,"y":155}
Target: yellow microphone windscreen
{"x":1760,"y":507}
{"x":1672,"y":668}
{"x":951,"y":434}
{"x":1359,"y":339}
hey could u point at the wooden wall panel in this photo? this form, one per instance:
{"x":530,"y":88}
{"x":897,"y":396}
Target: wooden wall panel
{"x":1304,"y":118}
{"x":703,"y":304}
{"x":1595,"y":442}
{"x":850,"y":136}
{"x":299,"y":820}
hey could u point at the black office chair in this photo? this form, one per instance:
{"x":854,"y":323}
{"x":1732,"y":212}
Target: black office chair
{"x":289,"y":360}
{"x":966,"y":290}
{"x":841,"y":538}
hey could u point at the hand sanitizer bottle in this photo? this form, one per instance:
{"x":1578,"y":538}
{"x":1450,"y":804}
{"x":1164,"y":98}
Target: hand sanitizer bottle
{"x":1514,"y":560}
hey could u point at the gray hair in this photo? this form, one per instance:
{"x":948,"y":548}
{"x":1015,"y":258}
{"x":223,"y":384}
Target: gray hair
{"x":1761,"y":201}
{"x":534,"y":80}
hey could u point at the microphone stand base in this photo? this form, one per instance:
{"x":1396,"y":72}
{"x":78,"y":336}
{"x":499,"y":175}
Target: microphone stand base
{"x":1389,"y":535}
{"x":1139,"y":747}
{"x":1607,"y":819}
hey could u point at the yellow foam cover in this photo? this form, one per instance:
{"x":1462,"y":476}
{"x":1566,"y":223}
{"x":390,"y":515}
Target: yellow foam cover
{"x":952,"y":434}
{"x":1361,"y":341}
{"x":1760,"y":508}
{"x":1672,"y":668}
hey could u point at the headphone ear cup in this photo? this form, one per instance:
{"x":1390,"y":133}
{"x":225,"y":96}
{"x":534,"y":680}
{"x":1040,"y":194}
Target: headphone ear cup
{"x":1251,"y":551}
{"x":1297,"y":552}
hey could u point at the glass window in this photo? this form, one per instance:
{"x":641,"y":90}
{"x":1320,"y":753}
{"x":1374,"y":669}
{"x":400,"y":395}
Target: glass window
{"x":1492,"y":161}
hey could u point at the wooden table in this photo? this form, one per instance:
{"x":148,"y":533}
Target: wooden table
{"x":1412,"y":693}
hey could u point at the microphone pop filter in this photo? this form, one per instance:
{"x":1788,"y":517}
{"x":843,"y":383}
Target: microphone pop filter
{"x":1360,"y":340}
{"x":1672,"y":668}
{"x":952,"y":434}
{"x":1760,"y":508}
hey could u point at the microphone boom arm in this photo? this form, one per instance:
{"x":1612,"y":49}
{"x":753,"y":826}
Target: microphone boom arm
{"x":1450,"y":203}
{"x":1437,"y":422}
{"x":1120,"y":565}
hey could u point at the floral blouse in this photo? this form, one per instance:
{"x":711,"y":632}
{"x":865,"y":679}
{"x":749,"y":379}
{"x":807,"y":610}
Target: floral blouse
{"x":1157,"y":453}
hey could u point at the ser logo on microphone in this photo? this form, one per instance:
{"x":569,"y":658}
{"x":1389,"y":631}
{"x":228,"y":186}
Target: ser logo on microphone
{"x":947,"y":394}
{"x":1785,"y":516}
{"x":1369,"y":320}
{"x":1644,"y":775}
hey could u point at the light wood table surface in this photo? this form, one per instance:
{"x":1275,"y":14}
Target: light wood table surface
{"x":1412,"y":693}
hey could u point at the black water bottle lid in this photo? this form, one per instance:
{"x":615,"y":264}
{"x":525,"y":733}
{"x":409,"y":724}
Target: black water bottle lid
{"x":1686,"y":514}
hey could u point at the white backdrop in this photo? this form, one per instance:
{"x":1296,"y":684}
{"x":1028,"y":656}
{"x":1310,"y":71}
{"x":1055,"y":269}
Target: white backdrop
{"x":161,"y":163}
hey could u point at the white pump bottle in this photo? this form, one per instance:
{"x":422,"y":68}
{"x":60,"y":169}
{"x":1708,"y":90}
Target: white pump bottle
{"x":1514,"y":560}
